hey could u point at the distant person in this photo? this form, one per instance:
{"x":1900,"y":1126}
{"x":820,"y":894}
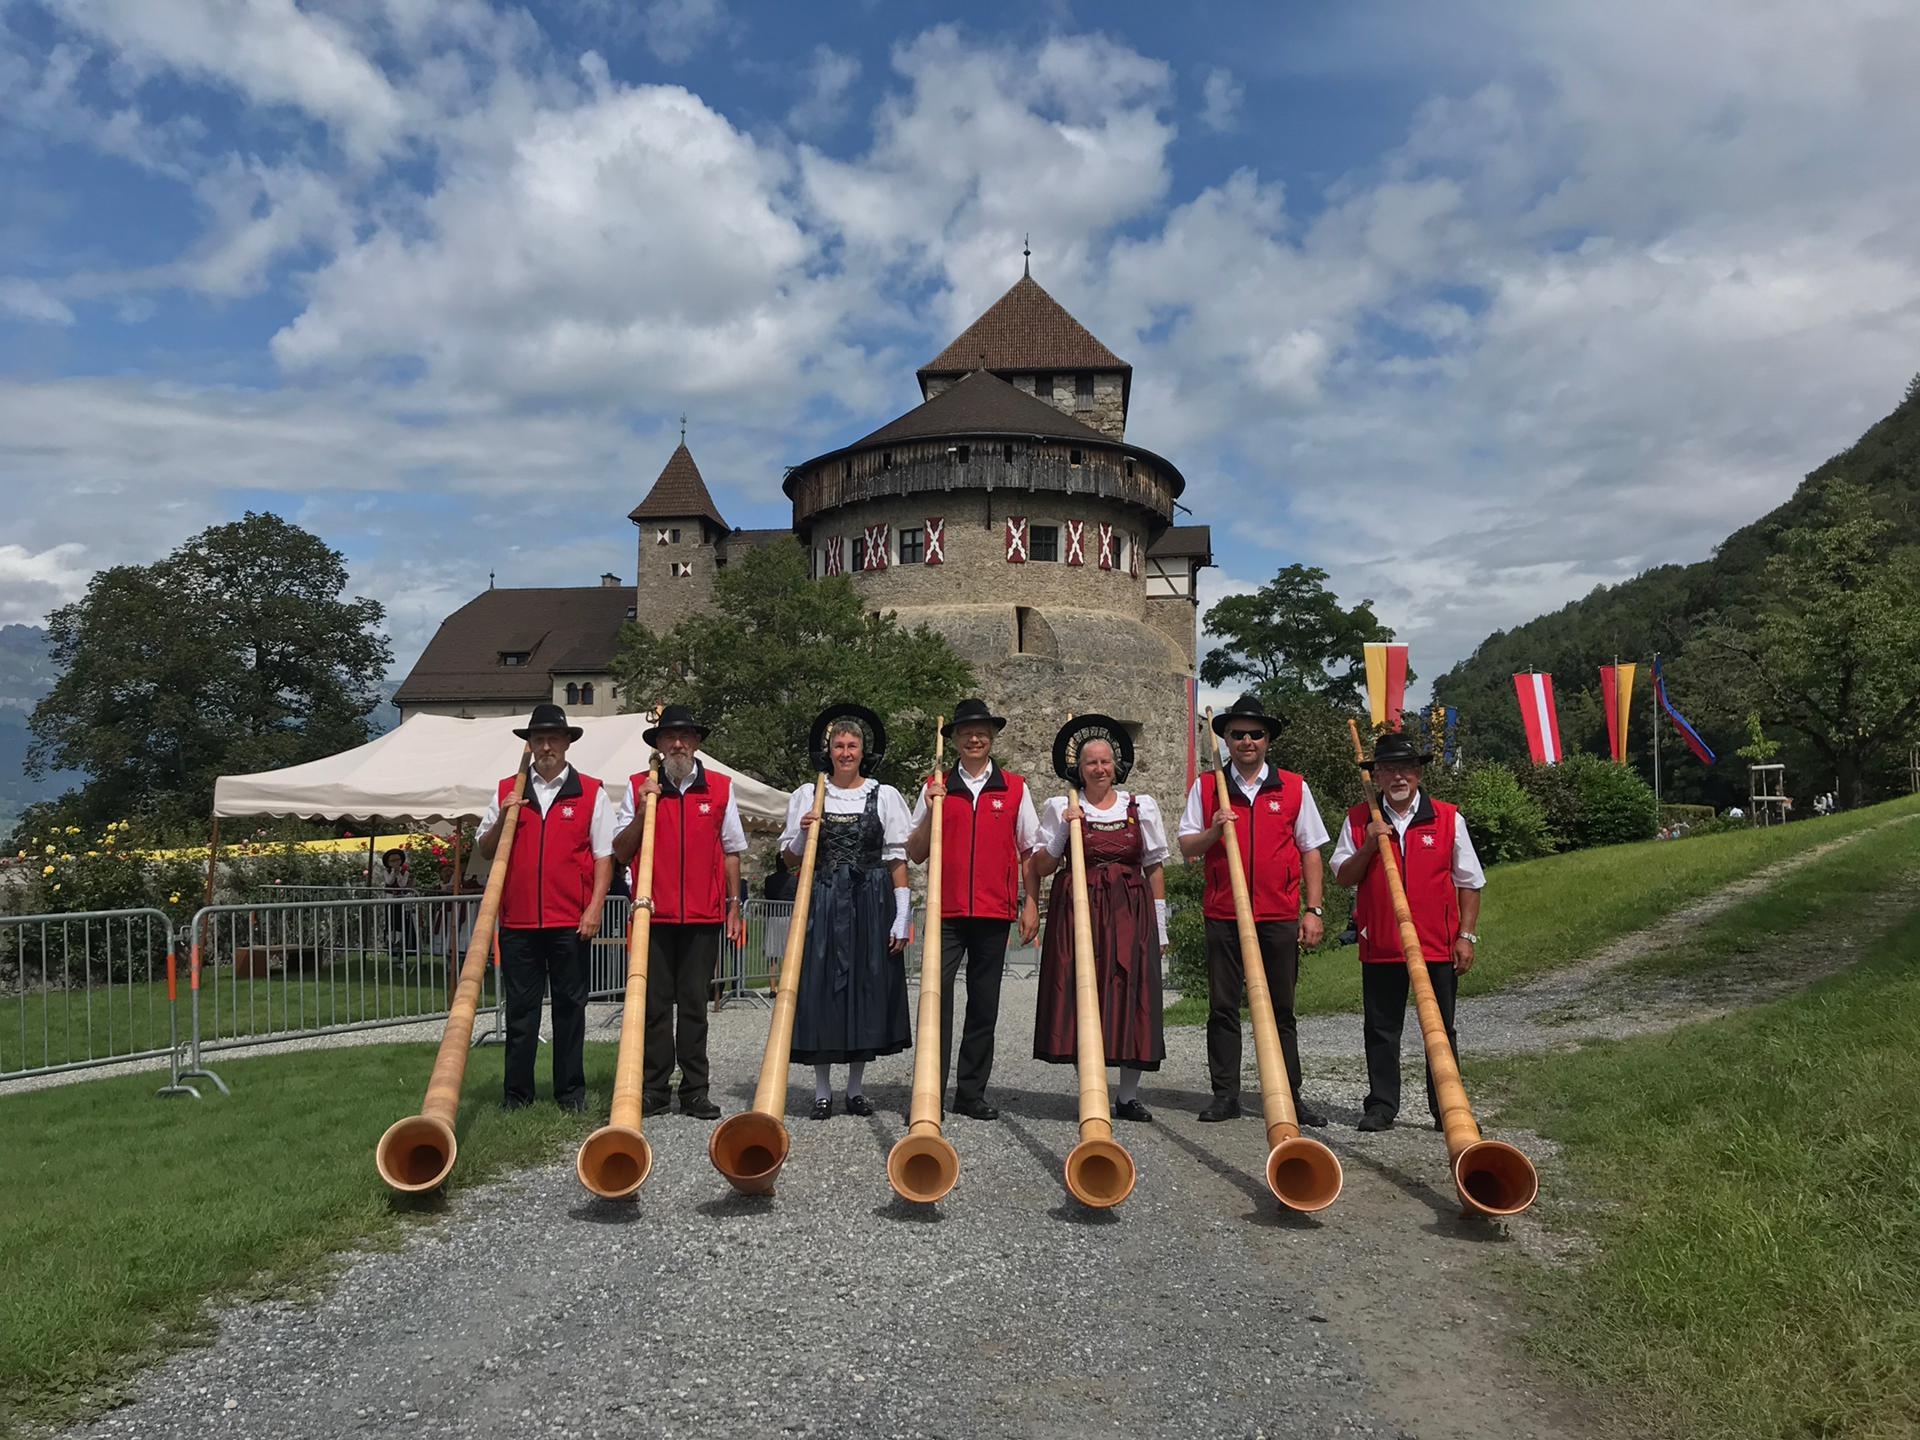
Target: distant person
{"x":557,"y":880}
{"x":1442,"y":878}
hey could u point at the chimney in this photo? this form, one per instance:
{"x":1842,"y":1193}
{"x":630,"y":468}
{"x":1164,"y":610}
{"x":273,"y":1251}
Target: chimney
{"x":609,"y":581}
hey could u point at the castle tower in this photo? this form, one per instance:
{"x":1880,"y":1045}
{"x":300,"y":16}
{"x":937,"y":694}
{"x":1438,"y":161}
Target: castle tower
{"x":681,"y":535}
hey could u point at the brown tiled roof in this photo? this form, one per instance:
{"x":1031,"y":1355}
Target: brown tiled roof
{"x":568,"y":630}
{"x":983,"y":404}
{"x":1184,"y":542}
{"x":1025,"y":329}
{"x":678,"y":494}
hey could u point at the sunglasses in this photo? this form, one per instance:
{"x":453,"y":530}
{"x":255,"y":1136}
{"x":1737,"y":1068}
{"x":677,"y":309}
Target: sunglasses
{"x":1246,"y":734}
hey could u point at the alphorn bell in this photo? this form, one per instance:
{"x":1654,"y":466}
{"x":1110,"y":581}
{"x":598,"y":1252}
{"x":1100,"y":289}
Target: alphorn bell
{"x":1303,"y":1174}
{"x":1493,"y":1177}
{"x":616,"y":1159}
{"x":417,"y":1153}
{"x":749,"y":1148}
{"x":1099,"y":1170}
{"x":923,"y":1165}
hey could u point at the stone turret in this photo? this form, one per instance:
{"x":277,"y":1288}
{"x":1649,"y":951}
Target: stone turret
{"x":681,"y":535}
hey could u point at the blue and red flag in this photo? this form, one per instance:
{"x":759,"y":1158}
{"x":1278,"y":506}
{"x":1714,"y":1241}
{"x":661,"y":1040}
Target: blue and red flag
{"x":1700,"y":749}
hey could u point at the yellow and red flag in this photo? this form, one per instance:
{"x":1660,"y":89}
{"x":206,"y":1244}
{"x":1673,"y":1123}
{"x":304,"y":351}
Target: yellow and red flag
{"x":1386,"y":683}
{"x":1616,"y":694}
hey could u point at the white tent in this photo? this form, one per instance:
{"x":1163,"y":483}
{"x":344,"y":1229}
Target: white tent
{"x":439,"y":767}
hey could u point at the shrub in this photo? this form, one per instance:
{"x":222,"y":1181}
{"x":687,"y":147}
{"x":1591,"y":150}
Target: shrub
{"x":1615,"y":805}
{"x":1506,"y":823}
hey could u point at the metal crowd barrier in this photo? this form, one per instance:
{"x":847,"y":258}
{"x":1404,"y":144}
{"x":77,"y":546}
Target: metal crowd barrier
{"x":82,"y":989}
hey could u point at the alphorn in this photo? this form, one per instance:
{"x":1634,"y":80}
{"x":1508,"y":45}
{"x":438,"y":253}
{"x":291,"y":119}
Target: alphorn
{"x":417,"y":1153}
{"x":749,"y":1148}
{"x":1099,"y":1171}
{"x":1493,"y":1177}
{"x":1303,"y":1174}
{"x":923,"y":1165}
{"x":616,"y":1159}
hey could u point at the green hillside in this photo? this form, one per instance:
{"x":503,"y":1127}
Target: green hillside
{"x":1663,"y":610}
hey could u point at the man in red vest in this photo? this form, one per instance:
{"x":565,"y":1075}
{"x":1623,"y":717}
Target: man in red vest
{"x":557,"y":877}
{"x":988,"y":828}
{"x":1280,"y":832}
{"x":696,"y":890}
{"x":1443,"y":880}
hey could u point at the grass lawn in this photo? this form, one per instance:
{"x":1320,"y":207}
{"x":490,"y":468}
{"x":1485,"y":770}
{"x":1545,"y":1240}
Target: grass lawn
{"x":1758,"y":1216}
{"x":119,"y":1224}
{"x":1541,"y":914}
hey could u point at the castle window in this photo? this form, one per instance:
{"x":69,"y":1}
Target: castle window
{"x":1075,"y":457}
{"x":1129,"y":467}
{"x":1006,"y":453}
{"x":1043,"y":387}
{"x":511,"y":658}
{"x":886,"y":459}
{"x":963,"y":453}
{"x":586,"y":693}
{"x":846,"y":469}
{"x":682,"y":569}
{"x":911,"y":546}
{"x":1083,"y":392}
{"x":573,"y":693}
{"x":633,"y":613}
{"x":859,"y":552}
{"x":1046,"y":542}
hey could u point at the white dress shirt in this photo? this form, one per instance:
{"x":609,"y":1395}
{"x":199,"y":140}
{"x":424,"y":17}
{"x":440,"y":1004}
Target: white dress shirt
{"x":545,"y":792}
{"x":1467,"y":874}
{"x":1309,"y":830}
{"x":1153,"y":830}
{"x":892,"y":808}
{"x":1026,"y":824}
{"x":733,"y":835}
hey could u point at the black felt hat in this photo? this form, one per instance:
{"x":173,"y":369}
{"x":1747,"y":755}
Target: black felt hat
{"x":1247,"y":708}
{"x":1398,"y":745}
{"x":674,"y":717}
{"x":973,"y":712}
{"x":1077,"y":732}
{"x":548,"y":716}
{"x":873,"y":733}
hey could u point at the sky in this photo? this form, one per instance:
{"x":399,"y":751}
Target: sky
{"x":1474,"y":306}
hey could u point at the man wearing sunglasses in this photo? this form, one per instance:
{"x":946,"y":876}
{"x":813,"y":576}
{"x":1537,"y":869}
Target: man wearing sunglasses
{"x":1280,"y":833}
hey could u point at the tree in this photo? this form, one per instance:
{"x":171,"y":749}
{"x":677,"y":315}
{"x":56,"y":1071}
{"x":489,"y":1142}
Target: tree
{"x":235,"y":653}
{"x":780,"y":647}
{"x":1291,"y":639}
{"x":1834,"y":652}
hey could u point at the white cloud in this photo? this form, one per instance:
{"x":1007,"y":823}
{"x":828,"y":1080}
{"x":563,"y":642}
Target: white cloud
{"x":29,"y":300}
{"x":34,"y":582}
{"x":1220,"y":99}
{"x":675,"y":29}
{"x":829,"y":76}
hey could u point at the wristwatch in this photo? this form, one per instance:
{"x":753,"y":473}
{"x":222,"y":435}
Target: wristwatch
{"x":1469,"y":937}
{"x":1315,"y":909}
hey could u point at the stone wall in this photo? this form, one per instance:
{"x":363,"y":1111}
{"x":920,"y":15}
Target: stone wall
{"x":1109,"y":412}
{"x":1179,"y":621}
{"x":661,"y":598}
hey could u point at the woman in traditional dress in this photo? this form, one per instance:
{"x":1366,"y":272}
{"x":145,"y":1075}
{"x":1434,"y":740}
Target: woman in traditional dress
{"x":1125,"y":844}
{"x":853,"y":979}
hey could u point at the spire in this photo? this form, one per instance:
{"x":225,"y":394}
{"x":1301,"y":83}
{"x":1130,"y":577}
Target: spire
{"x":683,"y":427}
{"x":1026,"y":253}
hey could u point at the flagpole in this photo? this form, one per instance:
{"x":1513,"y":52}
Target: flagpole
{"x":1655,"y":708}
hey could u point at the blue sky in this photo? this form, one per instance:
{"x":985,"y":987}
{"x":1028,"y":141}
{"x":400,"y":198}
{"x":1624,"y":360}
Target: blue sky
{"x":1474,"y":306}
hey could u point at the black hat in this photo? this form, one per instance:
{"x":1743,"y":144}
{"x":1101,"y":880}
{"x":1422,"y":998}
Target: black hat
{"x":1398,"y":745}
{"x":1077,"y":732}
{"x":1247,"y":708}
{"x":674,"y":717}
{"x":548,"y":716}
{"x":873,"y":733}
{"x":973,"y":712}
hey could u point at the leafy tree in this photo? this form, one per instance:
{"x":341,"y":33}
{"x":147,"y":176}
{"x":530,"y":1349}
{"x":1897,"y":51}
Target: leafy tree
{"x":235,"y":653}
{"x":1834,"y":652}
{"x":1292,"y":639}
{"x":1759,"y":749}
{"x":778,"y":648}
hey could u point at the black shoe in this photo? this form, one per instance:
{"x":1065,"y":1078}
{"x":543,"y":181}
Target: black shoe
{"x":823,"y":1108}
{"x":700,"y":1109}
{"x":1307,"y":1115}
{"x":1132,"y":1110}
{"x":859,"y":1105}
{"x":651,"y":1106}
{"x":514,"y":1103}
{"x":975,"y":1110}
{"x":1224,"y":1107}
{"x":572,"y":1107}
{"x":1374,"y":1120}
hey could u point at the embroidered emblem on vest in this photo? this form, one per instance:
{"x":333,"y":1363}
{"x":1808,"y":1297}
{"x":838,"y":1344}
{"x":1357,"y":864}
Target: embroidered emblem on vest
{"x":1274,"y":806}
{"x":998,"y":803}
{"x":1427,"y":840}
{"x":706,"y":808}
{"x":566,"y":811}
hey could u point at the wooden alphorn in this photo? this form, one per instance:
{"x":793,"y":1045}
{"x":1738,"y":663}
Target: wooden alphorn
{"x":417,"y":1153}
{"x":1099,"y":1171}
{"x":1493,"y":1177}
{"x":749,"y":1148}
{"x":1303,"y":1174}
{"x":616,"y":1159}
{"x":923,"y":1165}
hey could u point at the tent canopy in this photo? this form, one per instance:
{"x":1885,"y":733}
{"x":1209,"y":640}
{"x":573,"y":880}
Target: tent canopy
{"x":440,"y":767}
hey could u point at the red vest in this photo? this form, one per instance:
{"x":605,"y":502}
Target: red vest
{"x":1426,"y":869}
{"x":550,"y":873}
{"x":979,"y":859}
{"x":1267,"y":847}
{"x":689,"y":867}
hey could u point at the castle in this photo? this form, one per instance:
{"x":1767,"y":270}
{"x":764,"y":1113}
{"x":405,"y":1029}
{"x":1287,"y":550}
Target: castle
{"x":1007,"y":512}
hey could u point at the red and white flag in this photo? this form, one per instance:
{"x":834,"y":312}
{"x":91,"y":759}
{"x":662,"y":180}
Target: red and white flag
{"x":936,"y":540}
{"x":1016,"y":540}
{"x":1539,"y":716}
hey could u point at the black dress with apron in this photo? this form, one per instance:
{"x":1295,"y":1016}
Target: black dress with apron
{"x":853,"y":992}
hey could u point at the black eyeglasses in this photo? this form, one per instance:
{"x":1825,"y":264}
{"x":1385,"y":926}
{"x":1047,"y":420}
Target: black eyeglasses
{"x":1246,"y":734}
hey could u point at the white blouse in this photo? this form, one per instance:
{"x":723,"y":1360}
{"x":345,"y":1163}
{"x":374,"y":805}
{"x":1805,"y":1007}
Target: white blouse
{"x":1153,"y":830}
{"x":892,"y":807}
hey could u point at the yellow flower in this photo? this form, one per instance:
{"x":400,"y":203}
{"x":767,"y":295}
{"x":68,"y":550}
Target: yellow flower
{"x":174,"y":899}
{"x":73,"y":829}
{"x":47,"y":871}
{"x":50,"y":849}
{"x":93,"y":854}
{"x":56,"y":889}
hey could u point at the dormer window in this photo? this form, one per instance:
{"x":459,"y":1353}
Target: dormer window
{"x":512,"y":659}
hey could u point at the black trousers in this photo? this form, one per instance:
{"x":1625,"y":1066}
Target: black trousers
{"x":1383,"y":1003}
{"x":1227,"y":988}
{"x":531,"y":961}
{"x":983,"y":944}
{"x":680,"y":961}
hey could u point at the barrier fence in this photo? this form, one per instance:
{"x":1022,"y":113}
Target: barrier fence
{"x":82,"y":989}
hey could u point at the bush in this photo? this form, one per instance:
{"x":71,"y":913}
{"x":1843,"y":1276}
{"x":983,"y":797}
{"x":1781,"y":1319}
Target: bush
{"x":1589,"y":801}
{"x":1506,"y":823}
{"x":1186,"y":967}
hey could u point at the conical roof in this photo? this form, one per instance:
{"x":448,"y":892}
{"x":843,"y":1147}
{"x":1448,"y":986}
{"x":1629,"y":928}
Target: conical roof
{"x":1025,"y":329}
{"x":679,"y":494}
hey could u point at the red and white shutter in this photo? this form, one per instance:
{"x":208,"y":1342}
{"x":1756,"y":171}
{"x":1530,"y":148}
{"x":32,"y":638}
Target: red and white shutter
{"x":1016,"y":539}
{"x":936,"y":552}
{"x":836,"y":554}
{"x":1106,"y":547}
{"x":1133,"y":558}
{"x":877,"y":556}
{"x":1076,"y":542}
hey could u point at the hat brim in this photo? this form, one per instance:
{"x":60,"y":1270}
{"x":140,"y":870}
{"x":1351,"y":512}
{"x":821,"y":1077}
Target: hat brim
{"x":1089,"y":726}
{"x":999,"y":723}
{"x":572,"y":732}
{"x":1273,"y":723}
{"x":651,"y":734}
{"x":873,"y":738}
{"x":1419,"y":757}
